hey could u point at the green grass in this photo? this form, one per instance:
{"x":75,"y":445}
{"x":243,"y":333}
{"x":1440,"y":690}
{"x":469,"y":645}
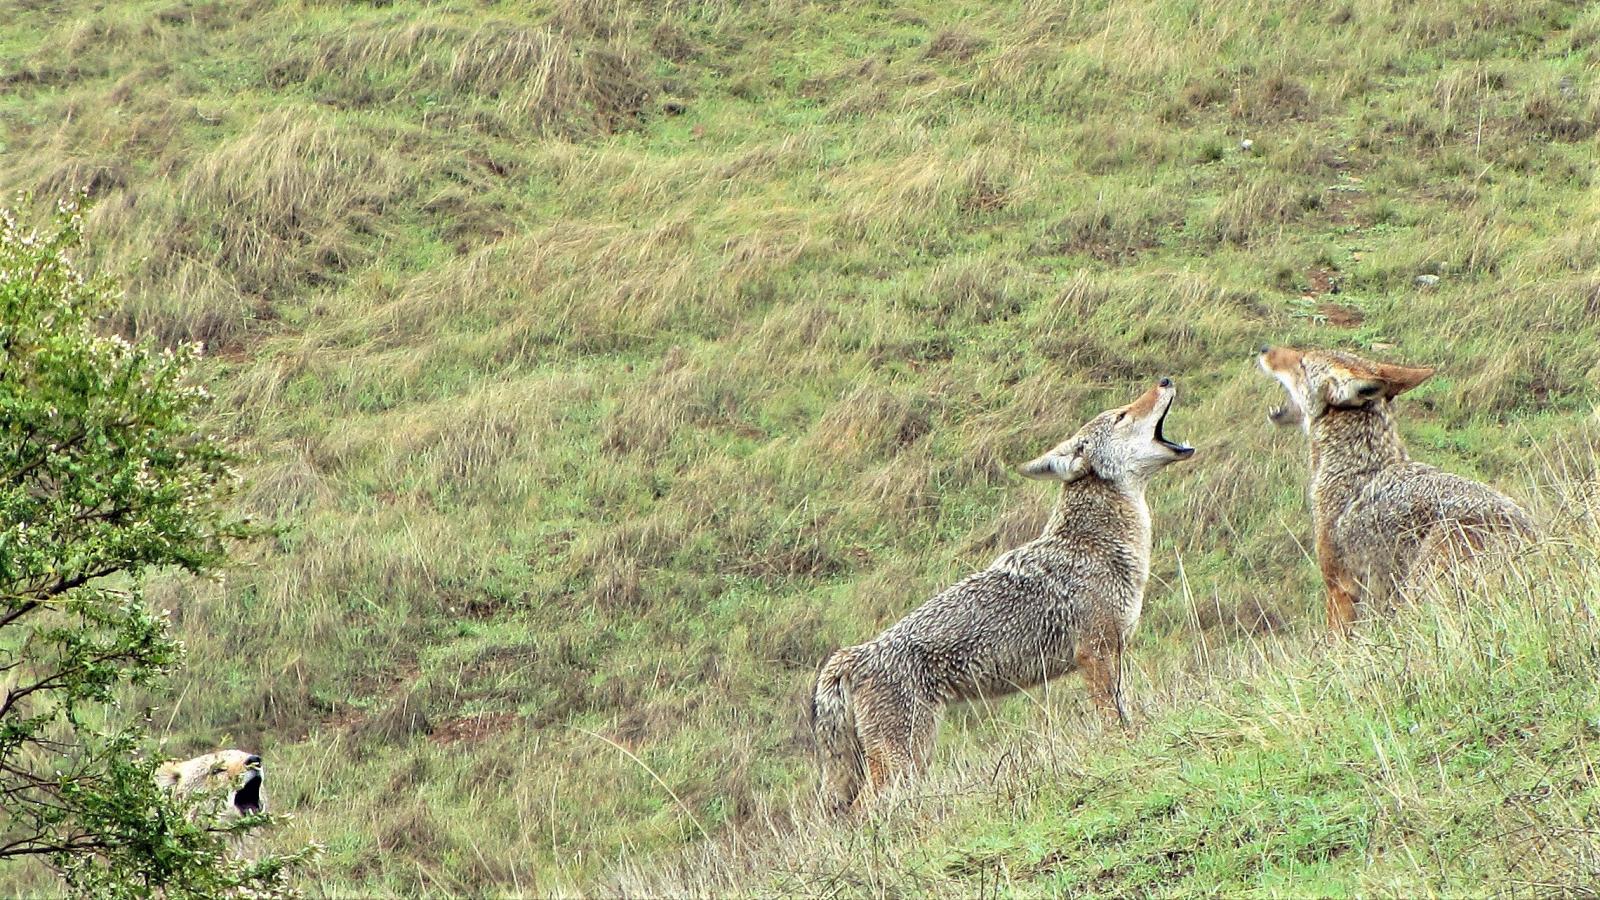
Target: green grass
{"x":611,"y":363}
{"x":1446,"y":752}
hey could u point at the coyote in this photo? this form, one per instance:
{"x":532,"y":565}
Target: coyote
{"x":1383,"y":521}
{"x":1067,"y":600}
{"x":234,"y":772}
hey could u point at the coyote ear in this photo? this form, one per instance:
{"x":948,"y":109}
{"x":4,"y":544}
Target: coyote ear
{"x":1348,"y":392}
{"x":1396,"y":380}
{"x":1383,"y":380}
{"x":1058,"y":465}
{"x":1386,"y":381}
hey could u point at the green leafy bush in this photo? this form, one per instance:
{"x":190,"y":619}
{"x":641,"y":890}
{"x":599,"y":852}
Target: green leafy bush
{"x":108,"y":475}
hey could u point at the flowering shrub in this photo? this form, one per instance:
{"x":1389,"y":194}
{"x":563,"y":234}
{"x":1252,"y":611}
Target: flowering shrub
{"x":107,"y":476}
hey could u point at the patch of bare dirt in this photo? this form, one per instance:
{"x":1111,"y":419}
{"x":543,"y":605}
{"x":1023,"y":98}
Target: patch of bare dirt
{"x":1340,"y":316}
{"x":1321,"y":281}
{"x":1340,"y":202}
{"x":349,"y":717}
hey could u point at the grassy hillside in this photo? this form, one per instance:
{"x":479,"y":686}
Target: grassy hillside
{"x":609,"y":363}
{"x":1449,"y":752}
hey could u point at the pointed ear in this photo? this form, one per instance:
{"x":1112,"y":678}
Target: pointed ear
{"x":1062,"y":464}
{"x":1399,"y":379}
{"x":1383,"y":380}
{"x":1355,"y":390}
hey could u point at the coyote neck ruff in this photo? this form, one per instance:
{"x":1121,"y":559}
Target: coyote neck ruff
{"x":1349,"y":447}
{"x":1105,"y":519}
{"x":1066,"y":601}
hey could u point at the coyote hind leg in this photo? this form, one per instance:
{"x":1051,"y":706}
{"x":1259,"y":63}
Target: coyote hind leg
{"x":1452,"y":552}
{"x":899,"y":736}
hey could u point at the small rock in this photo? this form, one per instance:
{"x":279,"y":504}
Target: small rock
{"x":1427,"y":280}
{"x":1567,"y":88}
{"x":1382,"y":345}
{"x":1246,"y":144}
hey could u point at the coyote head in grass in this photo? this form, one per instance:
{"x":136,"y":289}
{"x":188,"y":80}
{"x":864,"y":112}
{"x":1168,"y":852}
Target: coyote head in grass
{"x":235,"y":774}
{"x":1317,"y":381}
{"x":1123,"y":446}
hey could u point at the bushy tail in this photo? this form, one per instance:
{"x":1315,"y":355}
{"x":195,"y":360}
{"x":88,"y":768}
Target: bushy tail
{"x":833,"y":722}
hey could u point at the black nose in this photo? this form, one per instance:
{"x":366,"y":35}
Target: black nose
{"x":1264,"y":349}
{"x":1165,"y":382}
{"x":252,"y":760}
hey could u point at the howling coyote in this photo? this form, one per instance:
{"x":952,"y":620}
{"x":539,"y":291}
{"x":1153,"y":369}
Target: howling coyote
{"x":1380,"y":517}
{"x":234,"y":772}
{"x":1065,"y":601}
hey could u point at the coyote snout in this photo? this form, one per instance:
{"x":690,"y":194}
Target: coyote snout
{"x":1124,"y":444}
{"x":1381,"y":519}
{"x":1066,"y":601}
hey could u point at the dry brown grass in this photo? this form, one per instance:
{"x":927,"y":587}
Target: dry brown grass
{"x":1256,"y":209}
{"x":277,"y":206}
{"x":542,"y":79}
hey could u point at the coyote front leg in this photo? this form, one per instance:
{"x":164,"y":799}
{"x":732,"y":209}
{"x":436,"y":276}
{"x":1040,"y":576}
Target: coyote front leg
{"x":1341,"y":591}
{"x":1101,"y":662}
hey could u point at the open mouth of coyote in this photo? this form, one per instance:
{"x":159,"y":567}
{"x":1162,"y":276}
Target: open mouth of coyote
{"x":247,"y":799}
{"x":1182,"y":450}
{"x":1286,"y":413}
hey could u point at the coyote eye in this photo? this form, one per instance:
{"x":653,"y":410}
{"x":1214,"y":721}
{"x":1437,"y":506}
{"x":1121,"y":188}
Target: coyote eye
{"x":1121,"y":416}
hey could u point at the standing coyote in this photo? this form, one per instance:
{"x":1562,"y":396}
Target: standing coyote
{"x":1381,"y":518}
{"x":1065,"y":601}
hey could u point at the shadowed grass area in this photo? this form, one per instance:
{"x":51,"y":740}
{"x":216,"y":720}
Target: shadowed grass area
{"x":610,"y":363}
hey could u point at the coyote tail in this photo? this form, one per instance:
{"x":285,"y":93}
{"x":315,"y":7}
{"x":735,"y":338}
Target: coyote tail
{"x":833,"y":722}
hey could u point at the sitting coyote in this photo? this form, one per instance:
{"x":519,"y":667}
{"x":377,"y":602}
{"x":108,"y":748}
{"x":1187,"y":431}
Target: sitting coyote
{"x":1065,"y":601}
{"x":1382,"y":520}
{"x":234,"y":771}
